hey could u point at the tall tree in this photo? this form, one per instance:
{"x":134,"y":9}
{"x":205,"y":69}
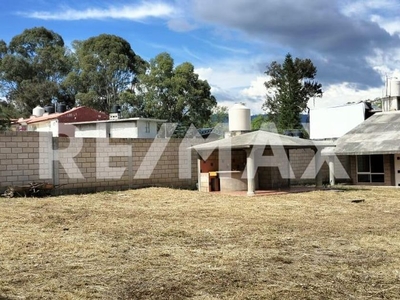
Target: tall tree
{"x":32,"y":68}
{"x":107,"y":66}
{"x":258,"y":122}
{"x":4,"y":118}
{"x":175,"y":94}
{"x":219,"y":116}
{"x":290,"y":87}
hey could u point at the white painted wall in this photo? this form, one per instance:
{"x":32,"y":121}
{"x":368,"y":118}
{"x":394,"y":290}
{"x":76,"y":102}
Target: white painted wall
{"x":132,"y":129}
{"x":98,"y":130}
{"x":390,"y":104}
{"x":142,"y":133}
{"x":334,"y":122}
{"x":123,"y":130}
{"x":45,"y":126}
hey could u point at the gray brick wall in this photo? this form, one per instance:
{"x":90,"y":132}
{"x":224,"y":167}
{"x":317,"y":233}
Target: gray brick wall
{"x":89,"y":164}
{"x":27,"y":157}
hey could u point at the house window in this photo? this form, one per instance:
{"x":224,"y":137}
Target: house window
{"x":147,"y":127}
{"x":370,"y":168}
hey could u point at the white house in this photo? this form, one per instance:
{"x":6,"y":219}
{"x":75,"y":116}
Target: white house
{"x":55,"y":121}
{"x":334,"y":122}
{"x":118,"y":128}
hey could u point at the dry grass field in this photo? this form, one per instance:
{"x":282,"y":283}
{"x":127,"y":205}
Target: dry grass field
{"x":161,"y":243}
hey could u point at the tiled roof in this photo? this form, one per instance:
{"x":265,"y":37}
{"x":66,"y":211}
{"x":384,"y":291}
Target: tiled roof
{"x":53,"y":116}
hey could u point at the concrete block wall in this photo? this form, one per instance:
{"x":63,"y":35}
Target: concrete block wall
{"x":87,"y":164}
{"x":303,"y":167}
{"x":19,"y":157}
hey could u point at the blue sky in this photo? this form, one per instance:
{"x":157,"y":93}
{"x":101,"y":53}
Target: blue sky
{"x":355,"y":45}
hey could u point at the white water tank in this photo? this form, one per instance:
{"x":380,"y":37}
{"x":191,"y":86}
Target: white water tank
{"x":394,"y":88}
{"x":239,"y":118}
{"x":38,"y":111}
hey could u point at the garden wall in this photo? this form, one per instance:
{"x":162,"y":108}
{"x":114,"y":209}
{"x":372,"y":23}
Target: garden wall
{"x":79,"y":165}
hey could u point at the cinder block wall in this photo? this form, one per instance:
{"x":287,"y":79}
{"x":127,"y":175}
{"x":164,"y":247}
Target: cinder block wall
{"x":87,"y":164}
{"x":19,"y":157}
{"x":303,"y":167}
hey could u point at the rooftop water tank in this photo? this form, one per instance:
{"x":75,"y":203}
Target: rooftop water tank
{"x":239,"y":118}
{"x":49,"y":109}
{"x":61,"y":107}
{"x":116,"y":109}
{"x":394,"y":88}
{"x":38,"y":111}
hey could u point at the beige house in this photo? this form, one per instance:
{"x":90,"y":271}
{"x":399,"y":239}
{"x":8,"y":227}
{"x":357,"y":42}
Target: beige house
{"x":56,"y":122}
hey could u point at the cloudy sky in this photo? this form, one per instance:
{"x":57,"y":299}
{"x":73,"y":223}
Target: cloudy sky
{"x":354,"y":44}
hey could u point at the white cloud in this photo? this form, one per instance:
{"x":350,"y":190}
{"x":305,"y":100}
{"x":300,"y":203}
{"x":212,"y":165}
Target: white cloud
{"x":339,"y":94}
{"x":230,"y":85}
{"x":361,"y":8}
{"x":233,"y":87}
{"x":131,"y":12}
{"x":257,"y":88}
{"x":390,"y":25}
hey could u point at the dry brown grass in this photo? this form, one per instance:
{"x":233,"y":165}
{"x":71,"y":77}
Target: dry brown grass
{"x":160,"y":243}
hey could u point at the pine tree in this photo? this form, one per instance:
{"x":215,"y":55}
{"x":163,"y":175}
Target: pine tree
{"x":290,"y":87}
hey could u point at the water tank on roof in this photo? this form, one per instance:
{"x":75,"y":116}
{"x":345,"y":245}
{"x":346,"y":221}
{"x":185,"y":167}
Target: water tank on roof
{"x":239,"y":118}
{"x":116,"y":109}
{"x":49,"y":109}
{"x":394,"y":88}
{"x":61,"y":107}
{"x":38,"y":111}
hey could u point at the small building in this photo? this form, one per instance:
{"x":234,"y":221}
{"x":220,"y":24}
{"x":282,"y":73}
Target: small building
{"x":334,"y":122}
{"x":250,"y":160}
{"x":257,"y":160}
{"x":118,"y":128}
{"x":49,"y":119}
{"x":373,"y":147}
{"x":374,"y":150}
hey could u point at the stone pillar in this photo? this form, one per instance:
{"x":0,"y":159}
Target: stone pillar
{"x":250,"y":172}
{"x":331,"y":170}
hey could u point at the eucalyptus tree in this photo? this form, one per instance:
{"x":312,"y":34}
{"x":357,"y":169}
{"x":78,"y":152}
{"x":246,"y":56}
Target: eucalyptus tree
{"x":32,"y":68}
{"x":106,"y":67}
{"x":176,"y":94}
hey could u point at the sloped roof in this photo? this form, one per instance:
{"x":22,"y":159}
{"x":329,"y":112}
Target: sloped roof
{"x":259,"y":138}
{"x":46,"y":117}
{"x":57,"y":115}
{"x":118,"y":121}
{"x":379,"y":134}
